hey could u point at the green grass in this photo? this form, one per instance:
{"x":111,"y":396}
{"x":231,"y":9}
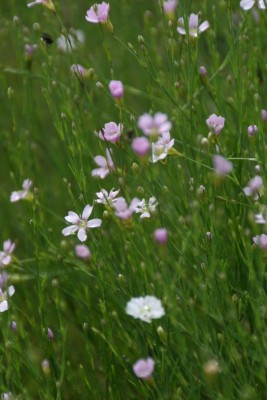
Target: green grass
{"x":213,"y":291}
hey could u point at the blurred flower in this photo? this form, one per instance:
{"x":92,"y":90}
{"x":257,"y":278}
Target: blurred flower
{"x":46,"y":367}
{"x":122,"y":210}
{"x":254,"y":186}
{"x":98,"y":13}
{"x":4,"y":296}
{"x":261,"y":241}
{"x":248,"y":4}
{"x":106,"y":198}
{"x":252,"y":129}
{"x":82,"y":251}
{"x":259,"y":219}
{"x":145,"y":208}
{"x":193,"y":29}
{"x":6,"y":396}
{"x":145,"y":308}
{"x":111,"y":132}
{"x":5,"y":255}
{"x":215,"y":123}
{"x":208,"y":236}
{"x":81,"y":223}
{"x":116,"y":89}
{"x":71,"y":41}
{"x":203,"y":71}
{"x":50,"y":334}
{"x":47,"y":3}
{"x":78,"y":69}
{"x":154,"y":125}
{"x":141,"y":146}
{"x":106,"y":165}
{"x":3,"y":279}
{"x":221,"y":165}
{"x":161,"y":236}
{"x":14,"y":326}
{"x":264,"y":115}
{"x":144,"y":368}
{"x":170,"y":6}
{"x":29,"y":50}
{"x":161,"y":148}
{"x":22,"y":194}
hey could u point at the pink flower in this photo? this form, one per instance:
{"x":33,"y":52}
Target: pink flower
{"x":248,"y":4}
{"x":106,"y":165}
{"x":254,"y":186}
{"x":5,"y":255}
{"x":221,"y":165}
{"x":161,"y":148}
{"x":170,"y":6}
{"x":78,"y":69}
{"x":22,"y":194}
{"x":264,"y":115}
{"x":122,"y":210}
{"x":107,"y":198}
{"x":193,"y":28}
{"x":144,"y":368}
{"x":252,"y":129}
{"x":3,"y":279}
{"x":50,"y":334}
{"x":98,"y":13}
{"x":116,"y":89}
{"x":111,"y":132}
{"x":261,"y":241}
{"x":29,"y":51}
{"x":141,"y":146}
{"x":47,"y":3}
{"x":80,"y":223}
{"x":203,"y":71}
{"x":161,"y":236}
{"x":154,"y":125}
{"x":215,"y":123}
{"x":82,"y":251}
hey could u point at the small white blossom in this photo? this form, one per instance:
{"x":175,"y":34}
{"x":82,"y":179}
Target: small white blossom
{"x":259,"y":219}
{"x":22,"y":194}
{"x":145,"y":308}
{"x":161,"y":147}
{"x":145,"y":208}
{"x":253,"y":187}
{"x":193,"y":28}
{"x":106,"y":198}
{"x":4,"y":295}
{"x":248,"y":4}
{"x":5,"y":255}
{"x":81,"y":223}
{"x":106,"y":165}
{"x":261,"y":241}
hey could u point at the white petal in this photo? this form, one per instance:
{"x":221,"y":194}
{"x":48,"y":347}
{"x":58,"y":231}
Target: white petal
{"x":11,"y":290}
{"x":72,"y":217}
{"x":82,"y":235}
{"x":180,"y":30}
{"x":69,"y":230}
{"x":247,"y":4}
{"x":94,"y":223}
{"x":87,"y":211}
{"x":100,"y":161}
{"x":202,"y":27}
{"x":15,"y":196}
{"x":3,"y":306}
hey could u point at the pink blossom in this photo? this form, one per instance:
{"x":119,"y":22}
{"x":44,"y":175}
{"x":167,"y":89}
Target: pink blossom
{"x":161,"y":236}
{"x":47,"y":3}
{"x":98,"y":13}
{"x":193,"y":27}
{"x":5,"y":255}
{"x":161,"y":148}
{"x":261,"y":241}
{"x":116,"y":89}
{"x":221,"y":165}
{"x":50,"y":334}
{"x":22,"y":194}
{"x":248,"y":4}
{"x":82,"y":251}
{"x":254,"y":186}
{"x":144,"y":368}
{"x":107,"y":198}
{"x":141,"y":146}
{"x":122,"y":210}
{"x":170,"y":6}
{"x":106,"y":165}
{"x":80,"y":223}
{"x":29,"y":50}
{"x":111,"y":132}
{"x":264,"y":115}
{"x":252,"y":129}
{"x":203,"y":71}
{"x":215,"y":123}
{"x":78,"y":69}
{"x":154,"y":125}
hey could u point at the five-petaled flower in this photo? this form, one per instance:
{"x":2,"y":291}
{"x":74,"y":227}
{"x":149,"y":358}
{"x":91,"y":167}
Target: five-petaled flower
{"x":161,"y":148}
{"x":193,"y":28}
{"x":98,"y":13}
{"x":80,"y":223}
{"x":111,"y":132}
{"x":154,"y":125}
{"x":4,"y":295}
{"x":22,"y":194}
{"x":215,"y":123}
{"x":144,"y":368}
{"x":106,"y":165}
{"x":145,"y":308}
{"x":146,"y":208}
{"x":5,"y":255}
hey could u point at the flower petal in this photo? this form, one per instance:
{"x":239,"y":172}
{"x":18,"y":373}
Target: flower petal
{"x":3,"y":306}
{"x":69,"y":230}
{"x":87,"y":211}
{"x":94,"y":223}
{"x":72,"y":217}
{"x":82,"y":235}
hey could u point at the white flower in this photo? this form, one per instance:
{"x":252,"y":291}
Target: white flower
{"x":6,"y":396}
{"x":4,"y":296}
{"x":106,"y":165}
{"x":248,"y":4}
{"x":71,"y":41}
{"x":21,"y":194}
{"x":193,"y":29}
{"x":81,"y":223}
{"x":253,"y":187}
{"x":5,"y":255}
{"x":145,"y":308}
{"x":161,"y":148}
{"x":145,"y":209}
{"x":106,"y":198}
{"x":259,"y":219}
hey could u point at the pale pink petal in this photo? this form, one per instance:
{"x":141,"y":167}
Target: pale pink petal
{"x":94,"y":223}
{"x":3,"y":306}
{"x":11,"y":290}
{"x":69,"y":230}
{"x":72,"y":217}
{"x":82,"y":235}
{"x":100,"y":161}
{"x":202,"y":27}
{"x":247,"y":4}
{"x":87,"y":212}
{"x":15,"y":196}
